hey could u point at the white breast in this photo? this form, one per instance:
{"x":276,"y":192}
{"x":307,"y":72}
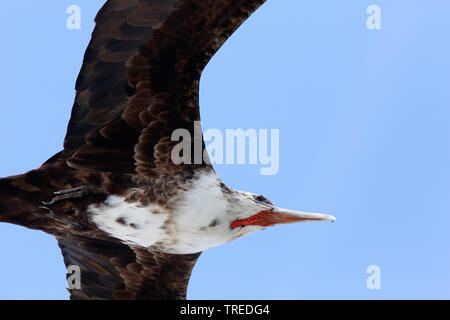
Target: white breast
{"x":129,"y":222}
{"x":199,"y":221}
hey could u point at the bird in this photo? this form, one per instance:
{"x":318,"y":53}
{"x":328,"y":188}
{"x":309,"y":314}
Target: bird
{"x":124,"y":209}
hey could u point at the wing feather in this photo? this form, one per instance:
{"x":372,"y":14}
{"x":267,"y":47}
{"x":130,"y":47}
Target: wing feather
{"x":140,"y":81}
{"x":113,"y":270}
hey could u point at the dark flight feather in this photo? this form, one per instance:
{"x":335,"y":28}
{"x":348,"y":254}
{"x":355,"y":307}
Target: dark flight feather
{"x":112,"y":270}
{"x":140,"y":81}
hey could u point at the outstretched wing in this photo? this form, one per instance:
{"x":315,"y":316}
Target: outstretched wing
{"x":140,"y":81}
{"x":112,"y":270}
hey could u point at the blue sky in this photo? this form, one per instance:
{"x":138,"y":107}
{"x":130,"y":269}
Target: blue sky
{"x":364,"y":136}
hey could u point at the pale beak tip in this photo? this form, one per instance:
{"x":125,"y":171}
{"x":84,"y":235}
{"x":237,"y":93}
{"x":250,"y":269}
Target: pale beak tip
{"x":330,"y":218}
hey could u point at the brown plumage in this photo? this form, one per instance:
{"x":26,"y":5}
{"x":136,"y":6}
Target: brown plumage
{"x":139,"y":82}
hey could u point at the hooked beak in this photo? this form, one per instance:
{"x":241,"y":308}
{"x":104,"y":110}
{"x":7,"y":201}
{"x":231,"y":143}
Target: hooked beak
{"x":276,"y":216}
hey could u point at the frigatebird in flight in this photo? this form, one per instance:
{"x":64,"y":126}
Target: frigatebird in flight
{"x":130,"y":217}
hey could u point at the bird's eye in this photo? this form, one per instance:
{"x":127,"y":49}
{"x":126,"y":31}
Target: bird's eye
{"x":263,"y":199}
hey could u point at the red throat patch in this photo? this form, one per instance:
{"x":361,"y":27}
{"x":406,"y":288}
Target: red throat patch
{"x":260,"y":219}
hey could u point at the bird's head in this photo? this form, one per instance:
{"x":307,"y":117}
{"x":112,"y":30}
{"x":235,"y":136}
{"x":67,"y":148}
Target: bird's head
{"x":213,"y":214}
{"x":251,"y":212}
